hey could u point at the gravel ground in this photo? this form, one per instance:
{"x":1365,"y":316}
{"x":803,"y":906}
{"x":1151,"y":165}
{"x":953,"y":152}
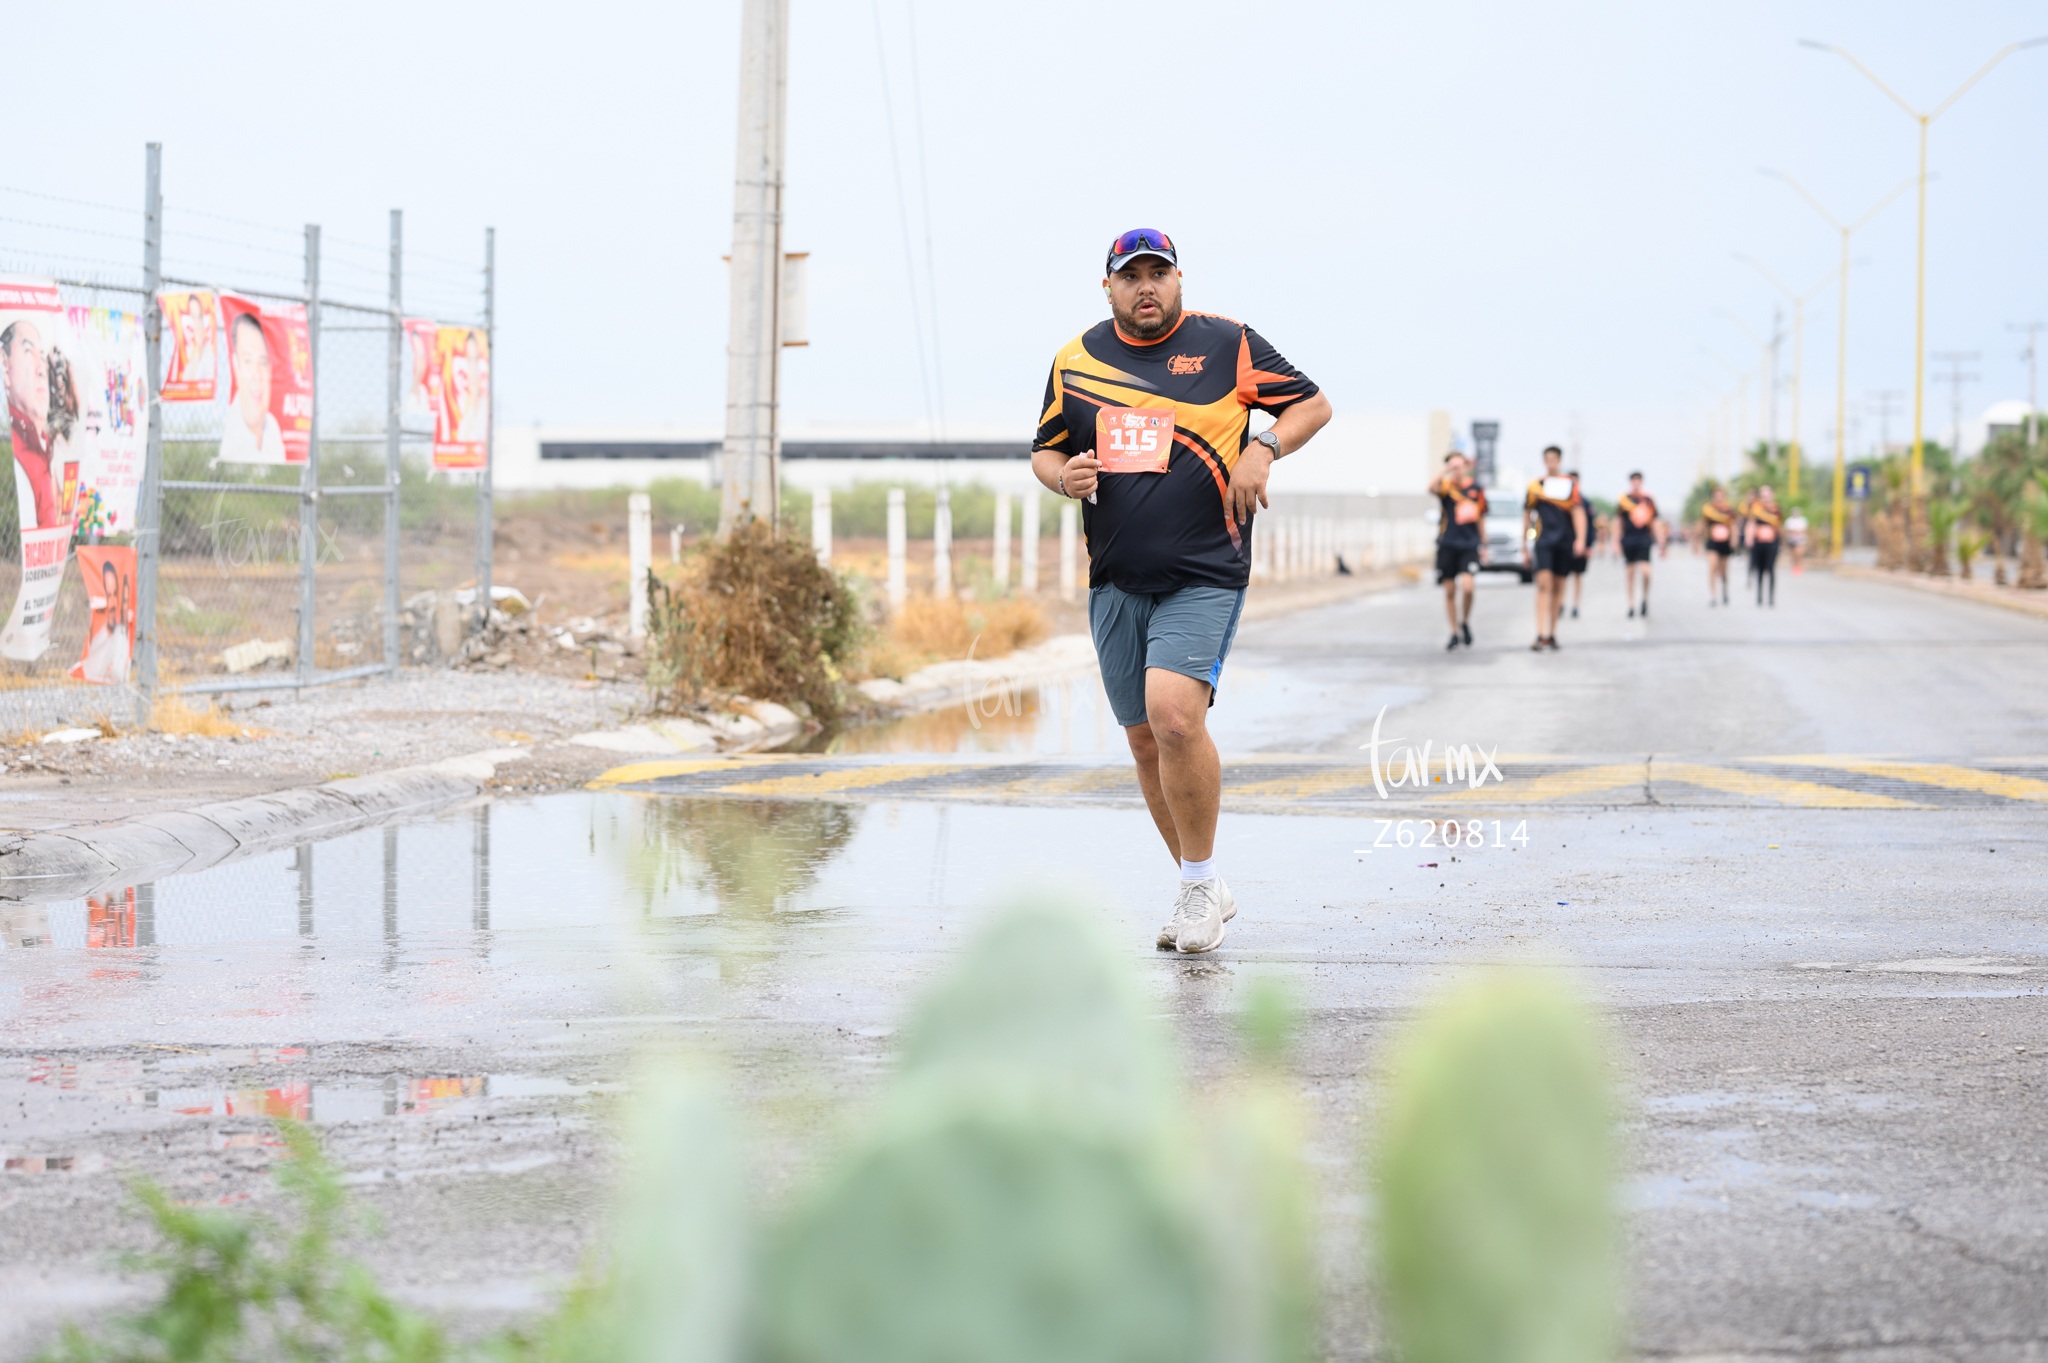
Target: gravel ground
{"x":352,"y":729}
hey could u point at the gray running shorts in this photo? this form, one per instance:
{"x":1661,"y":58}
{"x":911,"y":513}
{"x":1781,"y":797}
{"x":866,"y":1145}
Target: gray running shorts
{"x":1186,"y":631}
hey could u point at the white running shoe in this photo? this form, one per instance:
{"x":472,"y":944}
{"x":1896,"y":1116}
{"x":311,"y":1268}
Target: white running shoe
{"x":1205,"y":906}
{"x":1169,"y":936}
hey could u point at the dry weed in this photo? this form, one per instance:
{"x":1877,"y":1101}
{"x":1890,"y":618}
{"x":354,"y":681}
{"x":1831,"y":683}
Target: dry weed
{"x":755,"y":614}
{"x":176,"y":715}
{"x":933,"y":629}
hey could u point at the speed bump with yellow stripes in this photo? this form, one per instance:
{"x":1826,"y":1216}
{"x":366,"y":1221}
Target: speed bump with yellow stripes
{"x":1317,"y":784}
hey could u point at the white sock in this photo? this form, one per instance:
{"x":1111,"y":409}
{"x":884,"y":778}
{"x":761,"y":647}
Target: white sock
{"x":1198,"y":870}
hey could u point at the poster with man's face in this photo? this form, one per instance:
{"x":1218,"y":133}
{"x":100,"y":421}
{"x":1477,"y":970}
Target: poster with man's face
{"x":38,"y":373}
{"x":270,"y":375}
{"x":109,"y":575}
{"x":191,"y":352}
{"x":462,"y":426}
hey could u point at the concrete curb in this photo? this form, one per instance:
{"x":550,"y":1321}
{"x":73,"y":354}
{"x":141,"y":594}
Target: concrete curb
{"x":69,"y":862}
{"x":1984,"y":593}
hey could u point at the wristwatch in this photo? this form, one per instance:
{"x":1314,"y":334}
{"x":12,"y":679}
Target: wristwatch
{"x":1270,"y":441}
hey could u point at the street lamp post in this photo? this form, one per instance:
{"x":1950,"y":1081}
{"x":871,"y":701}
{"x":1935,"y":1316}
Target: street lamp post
{"x":1920,"y":263}
{"x":1793,"y":450}
{"x":1839,"y":504}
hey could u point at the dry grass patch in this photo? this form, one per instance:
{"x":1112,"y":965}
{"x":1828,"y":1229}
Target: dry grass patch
{"x":933,"y":629}
{"x":176,"y":715}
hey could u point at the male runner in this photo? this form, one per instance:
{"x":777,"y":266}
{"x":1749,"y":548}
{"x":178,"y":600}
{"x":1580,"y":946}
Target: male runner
{"x":1637,"y":529}
{"x":1553,"y":503}
{"x":1719,"y":519}
{"x":1460,"y":541}
{"x":1147,"y":419}
{"x":1765,"y":523}
{"x":1583,"y":556}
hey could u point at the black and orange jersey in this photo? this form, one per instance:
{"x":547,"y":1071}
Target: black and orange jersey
{"x":1157,"y":532}
{"x":1764,"y":520}
{"x":1720,"y":522}
{"x":1462,"y":520}
{"x":1553,"y":497}
{"x":1637,"y":513}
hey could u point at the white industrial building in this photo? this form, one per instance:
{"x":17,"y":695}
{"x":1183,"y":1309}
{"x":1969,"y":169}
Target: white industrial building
{"x":1366,"y":454}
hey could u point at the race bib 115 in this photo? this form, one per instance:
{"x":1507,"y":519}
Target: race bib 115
{"x":1134,"y":439}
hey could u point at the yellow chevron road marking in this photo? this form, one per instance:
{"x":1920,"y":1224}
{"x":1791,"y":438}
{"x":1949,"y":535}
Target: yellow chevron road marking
{"x":829,"y":782}
{"x":654,"y":770}
{"x":1783,"y":790}
{"x":1306,"y":786}
{"x":1088,"y":781}
{"x":1562,"y":785}
{"x":1935,"y":774}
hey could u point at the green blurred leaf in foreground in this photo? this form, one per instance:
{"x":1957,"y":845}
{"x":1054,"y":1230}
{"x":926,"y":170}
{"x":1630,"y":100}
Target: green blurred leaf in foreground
{"x":1497,"y":1231}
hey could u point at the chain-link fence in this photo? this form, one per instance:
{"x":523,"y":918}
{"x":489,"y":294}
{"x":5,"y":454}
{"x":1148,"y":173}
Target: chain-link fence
{"x":324,"y":546}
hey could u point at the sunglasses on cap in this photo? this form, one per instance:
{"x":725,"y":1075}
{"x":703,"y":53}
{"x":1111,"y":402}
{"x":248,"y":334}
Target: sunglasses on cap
{"x":1140,"y":241}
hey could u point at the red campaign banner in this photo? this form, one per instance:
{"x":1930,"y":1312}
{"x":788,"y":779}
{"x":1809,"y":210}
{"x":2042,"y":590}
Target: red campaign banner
{"x":49,"y":439}
{"x":191,"y":346}
{"x":108,"y":572}
{"x":270,"y":398}
{"x":462,"y":418}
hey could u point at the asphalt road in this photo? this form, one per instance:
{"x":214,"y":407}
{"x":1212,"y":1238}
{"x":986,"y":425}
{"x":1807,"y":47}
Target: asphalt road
{"x":1828,"y":1006}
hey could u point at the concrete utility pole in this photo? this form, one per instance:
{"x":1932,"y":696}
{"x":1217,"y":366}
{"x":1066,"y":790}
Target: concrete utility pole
{"x":1955,"y":359}
{"x":748,"y":464}
{"x":2033,"y":350}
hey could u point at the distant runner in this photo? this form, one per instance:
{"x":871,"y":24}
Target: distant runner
{"x":1554,"y":506}
{"x":1637,"y":530}
{"x":1795,"y":539}
{"x":1766,"y":524}
{"x":1146,"y":418}
{"x":1719,"y":519}
{"x":1584,"y":554}
{"x":1460,"y":542}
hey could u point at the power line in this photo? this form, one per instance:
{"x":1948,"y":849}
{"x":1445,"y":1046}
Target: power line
{"x":924,"y":181}
{"x":903,"y":217}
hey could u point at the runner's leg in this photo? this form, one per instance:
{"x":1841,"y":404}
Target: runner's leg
{"x":1190,"y":773}
{"x":1145,"y":750}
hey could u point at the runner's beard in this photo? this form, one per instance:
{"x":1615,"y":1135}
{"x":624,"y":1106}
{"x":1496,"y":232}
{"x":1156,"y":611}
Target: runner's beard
{"x":1169,"y":317}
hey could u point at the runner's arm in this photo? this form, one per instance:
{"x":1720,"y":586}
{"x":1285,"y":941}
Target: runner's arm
{"x":1294,"y":427}
{"x":1579,"y":529}
{"x":1080,"y":471}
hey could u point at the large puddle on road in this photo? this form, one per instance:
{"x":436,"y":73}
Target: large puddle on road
{"x":578,"y":859}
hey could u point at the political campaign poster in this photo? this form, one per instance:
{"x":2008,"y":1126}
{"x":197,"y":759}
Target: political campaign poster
{"x":270,"y":383}
{"x":423,"y":392}
{"x":109,"y":370}
{"x":108,"y":572}
{"x":38,"y":369}
{"x":462,"y":362}
{"x":191,"y":351}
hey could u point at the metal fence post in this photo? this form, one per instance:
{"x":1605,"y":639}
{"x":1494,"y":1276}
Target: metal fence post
{"x":483,"y":477}
{"x":309,"y":476}
{"x":395,"y":384}
{"x":149,"y":505}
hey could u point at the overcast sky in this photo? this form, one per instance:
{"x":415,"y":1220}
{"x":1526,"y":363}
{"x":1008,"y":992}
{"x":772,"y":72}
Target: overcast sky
{"x":1522,"y":212}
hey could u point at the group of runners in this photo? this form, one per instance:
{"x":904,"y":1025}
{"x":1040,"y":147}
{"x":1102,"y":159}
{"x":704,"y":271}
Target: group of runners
{"x":1559,"y":530}
{"x":1758,"y":527}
